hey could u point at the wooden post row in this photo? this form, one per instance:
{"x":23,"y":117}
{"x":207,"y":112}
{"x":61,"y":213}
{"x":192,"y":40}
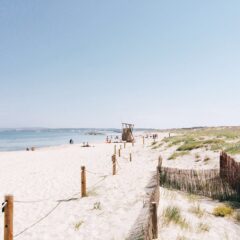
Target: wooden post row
{"x":8,"y":218}
{"x":83,"y":182}
{"x":114,"y":164}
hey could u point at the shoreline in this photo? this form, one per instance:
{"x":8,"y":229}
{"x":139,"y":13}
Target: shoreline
{"x":20,"y":140}
{"x":53,"y":146}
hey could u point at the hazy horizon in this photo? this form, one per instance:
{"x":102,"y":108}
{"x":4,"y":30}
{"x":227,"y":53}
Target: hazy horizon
{"x":114,"y":128}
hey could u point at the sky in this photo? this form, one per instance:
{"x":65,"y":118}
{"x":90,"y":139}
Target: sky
{"x":157,"y":63}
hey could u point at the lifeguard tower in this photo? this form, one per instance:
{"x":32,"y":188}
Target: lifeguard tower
{"x":127,"y":132}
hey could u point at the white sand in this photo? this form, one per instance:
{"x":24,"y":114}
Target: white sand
{"x":190,"y":161}
{"x":52,"y":174}
{"x":216,"y":228}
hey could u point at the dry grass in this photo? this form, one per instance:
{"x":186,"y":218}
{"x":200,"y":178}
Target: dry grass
{"x":222,"y":211}
{"x":97,"y":206}
{"x":192,"y":198}
{"x":197,"y":210}
{"x":237,"y":216}
{"x":172,"y":214}
{"x":78,"y":225}
{"x":197,"y":156}
{"x":206,"y":159}
{"x":203,"y":227}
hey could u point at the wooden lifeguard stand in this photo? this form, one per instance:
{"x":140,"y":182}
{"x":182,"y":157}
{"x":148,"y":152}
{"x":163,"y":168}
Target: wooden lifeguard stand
{"x":127,"y":132}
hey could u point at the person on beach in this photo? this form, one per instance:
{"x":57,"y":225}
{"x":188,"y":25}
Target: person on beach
{"x":71,"y":141}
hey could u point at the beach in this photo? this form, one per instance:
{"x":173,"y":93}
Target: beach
{"x":46,"y":187}
{"x":46,"y":184}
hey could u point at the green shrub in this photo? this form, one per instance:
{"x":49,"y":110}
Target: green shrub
{"x":213,"y":141}
{"x":177,"y":154}
{"x":155,"y":146}
{"x":233,"y":148}
{"x":188,"y":146}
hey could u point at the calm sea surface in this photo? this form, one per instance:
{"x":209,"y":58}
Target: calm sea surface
{"x":20,"y":139}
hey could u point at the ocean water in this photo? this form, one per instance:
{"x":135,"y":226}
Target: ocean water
{"x":20,"y":139}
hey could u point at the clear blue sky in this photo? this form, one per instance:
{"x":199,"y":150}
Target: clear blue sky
{"x":96,"y":63}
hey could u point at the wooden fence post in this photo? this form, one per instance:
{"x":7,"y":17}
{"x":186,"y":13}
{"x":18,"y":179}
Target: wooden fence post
{"x":114,"y":164}
{"x":143,"y":139}
{"x":160,"y":162}
{"x":159,"y":167}
{"x":115,"y":149}
{"x":132,"y":143}
{"x":130,"y":157}
{"x":83,"y":182}
{"x":158,"y":176}
{"x":119,"y":152}
{"x":124,"y":144}
{"x":154,"y":220}
{"x":8,"y":218}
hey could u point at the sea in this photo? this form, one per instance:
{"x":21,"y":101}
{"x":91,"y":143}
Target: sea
{"x":20,"y":139}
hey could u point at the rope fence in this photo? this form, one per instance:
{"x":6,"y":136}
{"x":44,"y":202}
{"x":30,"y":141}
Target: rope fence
{"x":7,"y":205}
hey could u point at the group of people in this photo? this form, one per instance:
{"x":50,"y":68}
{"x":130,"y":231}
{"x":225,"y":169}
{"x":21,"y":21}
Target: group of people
{"x":30,"y":149}
{"x":83,"y":145}
{"x":112,"y":139}
{"x":153,"y":136}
